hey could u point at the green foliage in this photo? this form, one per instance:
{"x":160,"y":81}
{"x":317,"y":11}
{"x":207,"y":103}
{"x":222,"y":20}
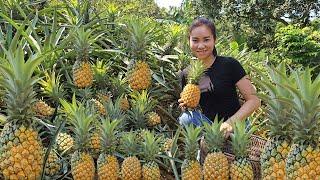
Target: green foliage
{"x":301,"y":45}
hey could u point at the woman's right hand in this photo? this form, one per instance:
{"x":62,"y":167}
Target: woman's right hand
{"x":182,"y":105}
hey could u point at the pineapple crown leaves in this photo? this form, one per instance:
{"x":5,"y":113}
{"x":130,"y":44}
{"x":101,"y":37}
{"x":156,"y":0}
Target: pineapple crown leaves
{"x":306,"y":106}
{"x":51,"y":86}
{"x":213,"y":136}
{"x":240,"y":139}
{"x":128,"y":144}
{"x":150,"y":146}
{"x":196,"y":71}
{"x":115,"y":112}
{"x":278,"y":100}
{"x":109,"y":134}
{"x":191,"y":137}
{"x":18,"y":81}
{"x":119,"y":85}
{"x":81,"y":120}
{"x":140,"y":35}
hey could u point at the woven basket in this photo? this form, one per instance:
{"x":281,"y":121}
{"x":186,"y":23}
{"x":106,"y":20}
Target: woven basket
{"x":256,"y":146}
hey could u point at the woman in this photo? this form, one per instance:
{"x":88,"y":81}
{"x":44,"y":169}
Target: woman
{"x":222,"y":77}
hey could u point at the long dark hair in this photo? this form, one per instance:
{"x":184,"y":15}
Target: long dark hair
{"x":204,"y":21}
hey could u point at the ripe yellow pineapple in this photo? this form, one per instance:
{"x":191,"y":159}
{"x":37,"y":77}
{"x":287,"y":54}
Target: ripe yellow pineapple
{"x":21,"y":150}
{"x":125,"y":105}
{"x":167,"y":144}
{"x":64,"y":142}
{"x":216,"y":164}
{"x":99,"y":106}
{"x":82,"y":71}
{"x":95,"y":144}
{"x":131,"y":166}
{"x":80,"y":117}
{"x":191,"y":168}
{"x":53,"y":164}
{"x":103,"y":97}
{"x":190,"y":94}
{"x":43,"y":109}
{"x":241,"y":167}
{"x":153,"y":119}
{"x":108,"y":166}
{"x":275,"y":152}
{"x":150,"y":148}
{"x":303,"y":160}
{"x":140,"y":76}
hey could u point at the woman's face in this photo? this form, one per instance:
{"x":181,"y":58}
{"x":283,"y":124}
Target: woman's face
{"x":202,"y":42}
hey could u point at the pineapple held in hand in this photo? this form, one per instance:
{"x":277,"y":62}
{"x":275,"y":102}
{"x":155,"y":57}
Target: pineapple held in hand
{"x":190,"y":95}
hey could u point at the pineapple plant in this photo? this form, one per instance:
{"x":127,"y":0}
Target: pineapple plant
{"x":131,"y":166}
{"x":82,"y":164}
{"x":153,"y":119}
{"x":81,"y":69}
{"x":190,"y":94}
{"x":42,"y":109}
{"x":241,"y":167}
{"x":303,"y":160}
{"x":216,"y":164}
{"x":274,"y":154}
{"x":139,"y":38}
{"x":53,"y":164}
{"x":150,"y":148}
{"x":108,"y":166}
{"x":65,"y":142}
{"x":191,"y":168}
{"x":119,"y":89}
{"x":21,"y":150}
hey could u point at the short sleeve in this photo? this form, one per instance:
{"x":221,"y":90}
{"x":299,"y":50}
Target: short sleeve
{"x":237,"y":71}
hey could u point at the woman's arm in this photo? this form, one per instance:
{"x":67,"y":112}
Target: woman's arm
{"x":252,"y":102}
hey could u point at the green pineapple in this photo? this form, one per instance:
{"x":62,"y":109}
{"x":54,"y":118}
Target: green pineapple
{"x":241,"y":167}
{"x":303,"y":160}
{"x":191,"y":168}
{"x":150,"y":147}
{"x":216,"y":164}
{"x":82,"y":164}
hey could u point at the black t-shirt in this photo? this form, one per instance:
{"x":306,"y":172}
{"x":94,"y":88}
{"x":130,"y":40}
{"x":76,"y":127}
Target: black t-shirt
{"x":218,"y":87}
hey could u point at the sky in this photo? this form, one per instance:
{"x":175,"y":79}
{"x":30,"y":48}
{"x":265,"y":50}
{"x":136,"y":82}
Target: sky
{"x":167,"y":3}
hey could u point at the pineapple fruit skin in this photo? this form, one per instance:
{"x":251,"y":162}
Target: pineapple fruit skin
{"x":124,"y":104}
{"x":82,"y":74}
{"x":21,"y":152}
{"x":241,"y":169}
{"x":98,"y":105}
{"x":216,"y":166}
{"x":43,"y":109}
{"x":140,"y":76}
{"x":153,"y":119}
{"x":65,"y":142}
{"x":95,"y":144}
{"x":151,"y":171}
{"x":303,"y":162}
{"x":273,"y":159}
{"x":131,"y":168}
{"x":53,"y":164}
{"x":191,"y":170}
{"x":108,"y":167}
{"x":191,"y":95}
{"x":82,"y":166}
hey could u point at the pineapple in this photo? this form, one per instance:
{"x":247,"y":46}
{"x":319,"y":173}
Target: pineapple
{"x":241,"y":167}
{"x":125,"y":105}
{"x":108,"y":166}
{"x":82,"y":71}
{"x":303,"y":160}
{"x":103,"y":97}
{"x":95,"y":144}
{"x":153,"y":119}
{"x":131,"y":166}
{"x":275,"y":152}
{"x":167,"y":145}
{"x":191,"y":168}
{"x":53,"y":164}
{"x":150,"y":147}
{"x":190,"y":94}
{"x":98,"y":105}
{"x":43,"y":109}
{"x":64,"y":142}
{"x":139,"y":39}
{"x":82,"y":164}
{"x":216,"y":164}
{"x":21,"y":150}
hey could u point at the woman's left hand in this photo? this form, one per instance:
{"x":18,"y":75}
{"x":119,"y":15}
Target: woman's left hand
{"x":226,"y":128}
